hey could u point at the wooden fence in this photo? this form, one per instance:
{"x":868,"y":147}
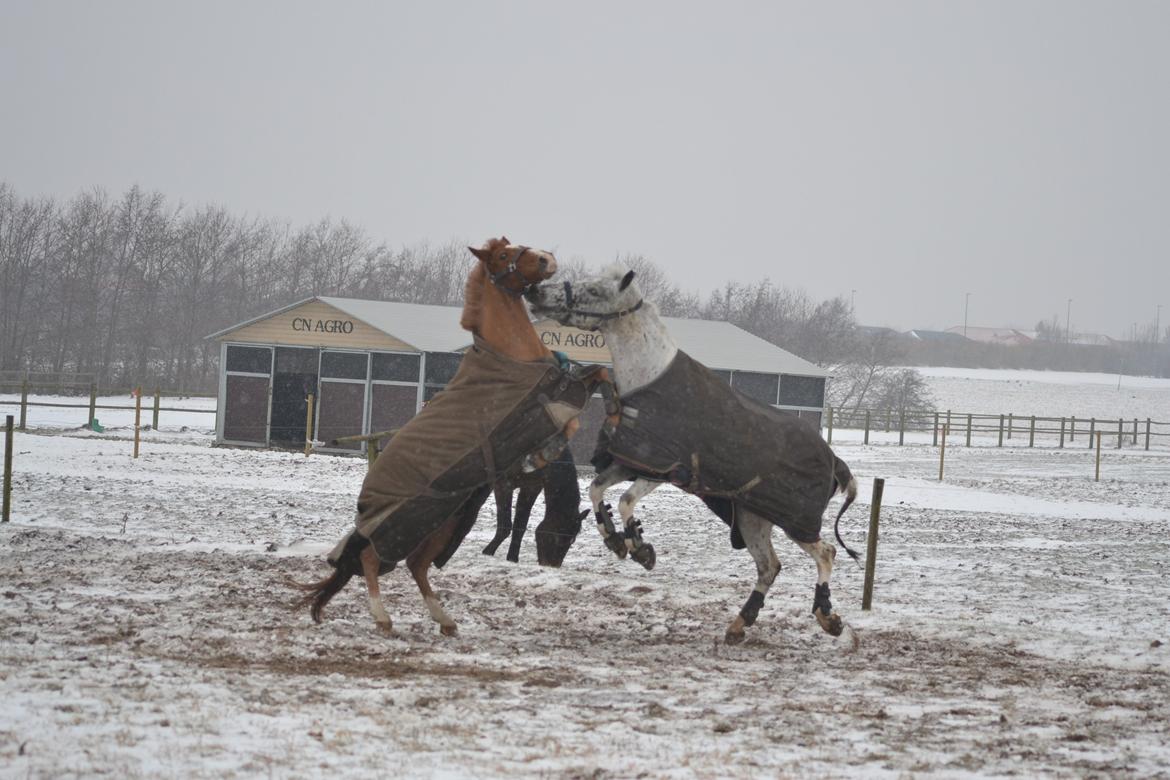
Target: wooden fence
{"x":1061,"y":431}
{"x":93,"y":406}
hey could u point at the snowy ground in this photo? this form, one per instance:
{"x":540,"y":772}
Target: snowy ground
{"x":1049,"y":393}
{"x":1020,"y":627}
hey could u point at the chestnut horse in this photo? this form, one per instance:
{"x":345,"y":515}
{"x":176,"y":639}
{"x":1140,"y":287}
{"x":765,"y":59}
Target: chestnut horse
{"x":495,"y":313}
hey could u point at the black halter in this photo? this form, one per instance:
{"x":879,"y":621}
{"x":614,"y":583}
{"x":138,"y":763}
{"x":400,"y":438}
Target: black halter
{"x":601,"y":316}
{"x":511,"y":269}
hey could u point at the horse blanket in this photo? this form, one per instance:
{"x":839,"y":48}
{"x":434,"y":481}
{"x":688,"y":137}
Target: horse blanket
{"x":691,"y":428}
{"x":495,"y":411}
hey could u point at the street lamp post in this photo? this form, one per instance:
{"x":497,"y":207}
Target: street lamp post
{"x":966,"y":304}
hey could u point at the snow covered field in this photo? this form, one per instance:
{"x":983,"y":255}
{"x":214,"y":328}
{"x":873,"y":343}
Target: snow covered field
{"x":1020,"y":627}
{"x":1048,"y":393}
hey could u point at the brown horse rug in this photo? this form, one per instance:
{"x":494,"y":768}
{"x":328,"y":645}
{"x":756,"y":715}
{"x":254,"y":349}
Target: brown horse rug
{"x":495,"y":411}
{"x":691,"y":428}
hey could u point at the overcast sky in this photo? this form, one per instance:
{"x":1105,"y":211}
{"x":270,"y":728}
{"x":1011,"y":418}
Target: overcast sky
{"x":912,"y":152}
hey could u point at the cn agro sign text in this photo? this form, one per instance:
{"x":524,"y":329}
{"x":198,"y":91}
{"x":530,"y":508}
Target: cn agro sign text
{"x":555,"y":338}
{"x":307,"y":325}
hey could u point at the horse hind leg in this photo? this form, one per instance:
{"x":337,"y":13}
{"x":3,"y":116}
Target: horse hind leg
{"x":419,"y":562}
{"x":823,"y":554}
{"x":757,"y":536}
{"x":370,"y":566}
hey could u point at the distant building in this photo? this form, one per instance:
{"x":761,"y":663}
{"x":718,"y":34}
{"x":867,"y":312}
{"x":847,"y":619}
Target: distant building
{"x":1007,"y":336}
{"x":939,"y":336}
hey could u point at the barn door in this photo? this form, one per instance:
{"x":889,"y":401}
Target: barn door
{"x":341,"y":409}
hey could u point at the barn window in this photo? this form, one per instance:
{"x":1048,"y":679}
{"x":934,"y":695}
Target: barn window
{"x":249,"y":360}
{"x":760,"y":387}
{"x":394,"y":368}
{"x":802,"y":390}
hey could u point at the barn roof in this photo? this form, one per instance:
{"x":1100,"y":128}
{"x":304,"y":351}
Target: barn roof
{"x":430,"y":328}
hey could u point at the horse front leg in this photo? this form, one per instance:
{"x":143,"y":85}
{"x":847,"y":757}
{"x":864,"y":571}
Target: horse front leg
{"x":757,"y":537}
{"x":640,"y":551}
{"x":823,"y":553}
{"x":603,"y":511}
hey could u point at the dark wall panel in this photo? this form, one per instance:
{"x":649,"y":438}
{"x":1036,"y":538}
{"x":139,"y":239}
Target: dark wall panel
{"x":245,"y":416}
{"x":341,"y":410}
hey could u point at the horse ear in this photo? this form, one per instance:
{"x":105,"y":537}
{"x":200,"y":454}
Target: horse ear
{"x":482,"y":254}
{"x":626,"y":281}
{"x":504,"y":240}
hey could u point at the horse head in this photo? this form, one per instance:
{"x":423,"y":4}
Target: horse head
{"x":514,"y":269}
{"x":588,"y":302}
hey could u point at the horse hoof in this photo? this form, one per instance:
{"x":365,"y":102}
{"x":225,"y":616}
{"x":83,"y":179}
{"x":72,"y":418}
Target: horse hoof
{"x":386,"y":628}
{"x":448,"y":630}
{"x":831,"y":623}
{"x":645,"y":555}
{"x":733,"y":637}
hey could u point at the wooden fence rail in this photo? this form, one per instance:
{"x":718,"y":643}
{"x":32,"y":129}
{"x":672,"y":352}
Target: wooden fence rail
{"x":1064,"y":431}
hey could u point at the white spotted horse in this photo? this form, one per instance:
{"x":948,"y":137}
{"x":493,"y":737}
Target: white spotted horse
{"x":681,"y":423}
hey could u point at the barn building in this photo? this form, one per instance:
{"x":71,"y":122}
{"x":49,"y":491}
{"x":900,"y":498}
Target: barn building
{"x":371,"y":365}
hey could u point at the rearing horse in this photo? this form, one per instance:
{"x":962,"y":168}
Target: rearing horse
{"x":511,"y":401}
{"x":681,"y":423}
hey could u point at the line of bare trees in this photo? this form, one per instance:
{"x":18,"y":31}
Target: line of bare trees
{"x":127,"y":288}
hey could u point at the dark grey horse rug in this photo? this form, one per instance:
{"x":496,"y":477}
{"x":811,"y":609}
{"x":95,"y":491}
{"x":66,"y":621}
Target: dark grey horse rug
{"x":495,"y":411}
{"x":691,"y":428}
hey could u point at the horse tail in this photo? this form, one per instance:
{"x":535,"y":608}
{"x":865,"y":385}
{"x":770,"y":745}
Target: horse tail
{"x":348,"y":564}
{"x":848,"y":485}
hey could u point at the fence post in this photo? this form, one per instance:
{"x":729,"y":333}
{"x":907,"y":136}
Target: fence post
{"x":371,"y":453}
{"x":1135,"y":430}
{"x":875,"y":510}
{"x":942,"y":451}
{"x":830,"y":441}
{"x":157,"y":399}
{"x":1032,"y":432}
{"x":968,"y":430}
{"x":7,"y":508}
{"x":1062,"y":433}
{"x":1120,"y":431}
{"x":309,"y":425}
{"x":137,"y":416}
{"x":1000,"y":431}
{"x":1097,"y":476}
{"x":866,"y":427}
{"x":1010,"y":421}
{"x":902,"y":427}
{"x":23,"y":403}
{"x":889,"y":413}
{"x":934,"y":437}
{"x":1092,"y":429}
{"x":1072,"y":430}
{"x":1147,"y":433}
{"x":92,"y":404}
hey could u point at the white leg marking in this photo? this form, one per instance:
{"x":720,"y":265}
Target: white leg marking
{"x":378,"y":611}
{"x":437,"y":613}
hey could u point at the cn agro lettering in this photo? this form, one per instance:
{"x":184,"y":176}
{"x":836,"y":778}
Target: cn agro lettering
{"x":304,"y":324}
{"x":552,"y":338}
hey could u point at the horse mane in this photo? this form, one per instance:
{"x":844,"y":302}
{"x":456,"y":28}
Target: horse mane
{"x":473,"y":298}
